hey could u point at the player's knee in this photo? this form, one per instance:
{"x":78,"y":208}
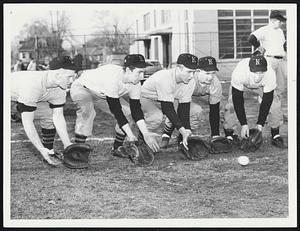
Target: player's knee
{"x":154,"y":120}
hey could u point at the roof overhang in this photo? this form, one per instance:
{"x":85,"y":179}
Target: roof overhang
{"x":142,"y":38}
{"x":162,"y":31}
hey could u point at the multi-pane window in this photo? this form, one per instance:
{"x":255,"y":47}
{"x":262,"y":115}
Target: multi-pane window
{"x":165,"y":16}
{"x":235,"y":26}
{"x":146,"y":21}
{"x":156,"y":48}
{"x":186,"y":32}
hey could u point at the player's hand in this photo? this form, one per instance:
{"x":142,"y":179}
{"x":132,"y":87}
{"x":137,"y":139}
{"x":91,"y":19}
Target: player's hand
{"x":259,"y":127}
{"x":185,"y":135}
{"x":46,"y":155}
{"x":245,"y":131}
{"x":261,"y":50}
{"x":151,"y":140}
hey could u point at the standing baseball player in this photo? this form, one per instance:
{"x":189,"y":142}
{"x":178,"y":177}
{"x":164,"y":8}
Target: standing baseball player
{"x":105,"y":88}
{"x":253,"y":74}
{"x":41,"y":95}
{"x":161,"y":89}
{"x":207,"y":83}
{"x":270,"y":41}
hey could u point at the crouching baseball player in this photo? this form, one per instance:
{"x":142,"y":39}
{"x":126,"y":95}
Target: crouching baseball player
{"x":105,"y":88}
{"x":207,"y":83}
{"x":41,"y":95}
{"x":161,"y":89}
{"x":253,"y":74}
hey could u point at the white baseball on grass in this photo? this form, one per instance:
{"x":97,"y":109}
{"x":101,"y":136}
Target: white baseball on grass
{"x":243,"y":160}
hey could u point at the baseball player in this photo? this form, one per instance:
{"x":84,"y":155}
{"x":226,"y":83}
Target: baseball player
{"x":41,"y":95}
{"x":161,"y":89}
{"x":207,"y":83}
{"x":105,"y":88}
{"x":270,"y":41}
{"x":253,"y":74}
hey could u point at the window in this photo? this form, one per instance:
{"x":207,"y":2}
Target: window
{"x":165,"y":16}
{"x":154,"y":18}
{"x":146,"y":21}
{"x":156,"y":48}
{"x":235,"y":26}
{"x":186,"y":15}
{"x":137,"y":27}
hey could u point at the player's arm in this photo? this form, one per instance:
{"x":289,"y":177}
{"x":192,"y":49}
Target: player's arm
{"x":238,"y":103}
{"x":138,"y":117}
{"x":60,"y":124}
{"x":169,"y":110}
{"x":253,"y":41}
{"x":264,"y":108}
{"x":27,"y":114}
{"x":116,"y":109}
{"x":214,"y":118}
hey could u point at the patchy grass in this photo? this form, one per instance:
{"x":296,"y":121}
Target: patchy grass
{"x":173,"y":187}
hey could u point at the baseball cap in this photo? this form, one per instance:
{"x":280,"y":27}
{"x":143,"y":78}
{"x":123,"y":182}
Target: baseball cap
{"x":188,"y":60}
{"x":207,"y":63}
{"x":258,"y":63}
{"x":136,"y":60}
{"x":64,"y":62}
{"x":278,"y":15}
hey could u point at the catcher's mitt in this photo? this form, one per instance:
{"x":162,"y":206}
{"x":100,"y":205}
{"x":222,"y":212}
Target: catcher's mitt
{"x":197,"y":148}
{"x":77,"y":155}
{"x":253,"y":142}
{"x":139,"y":153}
{"x":220,"y":145}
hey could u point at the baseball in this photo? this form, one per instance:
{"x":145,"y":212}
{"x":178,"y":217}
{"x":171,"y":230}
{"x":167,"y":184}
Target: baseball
{"x":243,"y":160}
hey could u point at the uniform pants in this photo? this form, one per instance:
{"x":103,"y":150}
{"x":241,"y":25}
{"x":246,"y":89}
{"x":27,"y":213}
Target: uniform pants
{"x":280,"y":68}
{"x":275,"y":117}
{"x":154,"y":116}
{"x":85,"y":101}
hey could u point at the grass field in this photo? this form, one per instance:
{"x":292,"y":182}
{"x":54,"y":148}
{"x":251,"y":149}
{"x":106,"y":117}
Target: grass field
{"x":173,"y":187}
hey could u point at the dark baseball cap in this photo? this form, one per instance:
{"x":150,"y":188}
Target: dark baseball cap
{"x":64,"y":62}
{"x":188,"y":60}
{"x":207,"y":63}
{"x":278,"y":15}
{"x":258,"y":63}
{"x":136,"y":60}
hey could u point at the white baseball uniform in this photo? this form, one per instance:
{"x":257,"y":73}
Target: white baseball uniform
{"x":92,"y":87}
{"x":162,"y":86}
{"x":241,"y":80}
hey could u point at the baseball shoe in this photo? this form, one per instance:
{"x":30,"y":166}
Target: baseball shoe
{"x":56,"y":155}
{"x":119,"y":152}
{"x":164,"y":142}
{"x":278,"y":142}
{"x":234,"y":140}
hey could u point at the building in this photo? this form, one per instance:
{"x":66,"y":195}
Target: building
{"x":164,"y":34}
{"x":39,"y":49}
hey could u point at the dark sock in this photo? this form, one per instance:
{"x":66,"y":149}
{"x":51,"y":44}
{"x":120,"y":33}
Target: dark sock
{"x":48,"y":137}
{"x":168,"y":130}
{"x":119,"y":140}
{"x":274,"y":131}
{"x":228,"y":132}
{"x":80,"y":138}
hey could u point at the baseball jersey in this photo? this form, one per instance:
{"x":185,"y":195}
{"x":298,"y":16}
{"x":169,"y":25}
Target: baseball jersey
{"x":107,"y":80}
{"x":271,"y":39}
{"x":214,"y":90}
{"x":242,"y":78}
{"x":162,"y":86}
{"x":29,"y":88}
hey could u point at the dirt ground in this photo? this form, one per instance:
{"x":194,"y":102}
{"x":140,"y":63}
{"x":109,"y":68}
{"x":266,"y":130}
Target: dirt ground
{"x":173,"y":187}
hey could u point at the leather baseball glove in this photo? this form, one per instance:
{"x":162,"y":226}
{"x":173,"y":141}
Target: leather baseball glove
{"x":197,"y":148}
{"x":77,"y":156}
{"x":139,"y":153}
{"x":253,"y":142}
{"x":220,"y":145}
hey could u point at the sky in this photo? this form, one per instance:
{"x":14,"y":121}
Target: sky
{"x":82,"y":16}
